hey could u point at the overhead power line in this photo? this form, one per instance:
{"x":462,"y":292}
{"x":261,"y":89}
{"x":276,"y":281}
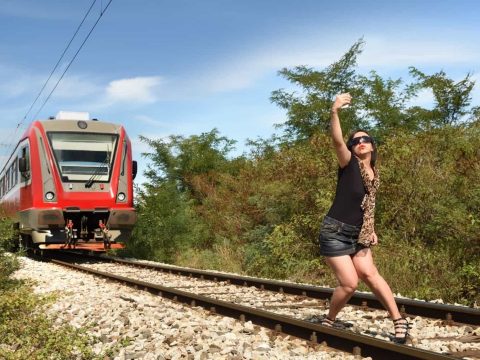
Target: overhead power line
{"x":19,"y":124}
{"x":74,"y":57}
{"x":102,"y":11}
{"x":58,"y":62}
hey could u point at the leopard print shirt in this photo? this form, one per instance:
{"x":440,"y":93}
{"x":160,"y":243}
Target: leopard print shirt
{"x":368,"y":205}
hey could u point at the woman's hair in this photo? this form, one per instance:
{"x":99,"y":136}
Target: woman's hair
{"x":373,"y":160}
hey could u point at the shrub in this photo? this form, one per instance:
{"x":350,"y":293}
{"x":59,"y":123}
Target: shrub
{"x":26,"y":333}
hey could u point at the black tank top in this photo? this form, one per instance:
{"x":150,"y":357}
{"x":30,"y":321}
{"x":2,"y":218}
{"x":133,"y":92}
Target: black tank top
{"x":349,"y":195}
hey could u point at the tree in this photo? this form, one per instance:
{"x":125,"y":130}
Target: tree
{"x":380,"y":106}
{"x":383,"y":104}
{"x":310,"y":112}
{"x":179,"y":159}
{"x":452,"y":99}
{"x":166,"y":223}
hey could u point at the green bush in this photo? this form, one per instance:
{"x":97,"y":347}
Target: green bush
{"x":25,"y":333}
{"x":284,"y":255}
{"x":7,"y":232}
{"x":222,"y":256}
{"x":166,"y":224}
{"x":8,"y":264}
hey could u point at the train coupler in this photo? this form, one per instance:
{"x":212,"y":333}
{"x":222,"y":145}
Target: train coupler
{"x":70,"y":238}
{"x":105,"y":234}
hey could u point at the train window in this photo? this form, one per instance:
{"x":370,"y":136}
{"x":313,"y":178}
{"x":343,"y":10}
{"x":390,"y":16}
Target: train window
{"x":12,"y":177}
{"x":81,"y":156}
{"x":26,"y":155}
{"x":124,"y":158}
{"x":1,"y":187}
{"x":12,"y":174}
{"x":24,"y":152}
{"x":15,"y":172}
{"x":7,"y":178}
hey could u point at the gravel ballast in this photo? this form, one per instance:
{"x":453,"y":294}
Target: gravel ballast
{"x":139,"y":325}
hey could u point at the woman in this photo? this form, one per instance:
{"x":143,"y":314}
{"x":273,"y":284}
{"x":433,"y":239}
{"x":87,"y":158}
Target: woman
{"x":348,"y":229}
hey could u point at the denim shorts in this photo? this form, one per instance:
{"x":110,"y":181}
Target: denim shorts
{"x":337,"y":238}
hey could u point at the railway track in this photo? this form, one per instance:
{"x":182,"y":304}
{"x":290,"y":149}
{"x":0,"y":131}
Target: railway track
{"x":215,"y":301}
{"x":450,"y":314}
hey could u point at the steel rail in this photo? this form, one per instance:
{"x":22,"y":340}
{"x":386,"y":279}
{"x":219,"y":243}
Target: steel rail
{"x":449,"y":313}
{"x":335,"y":338}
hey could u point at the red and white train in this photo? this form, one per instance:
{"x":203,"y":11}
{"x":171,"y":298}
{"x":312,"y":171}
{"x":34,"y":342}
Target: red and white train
{"x":69,"y":184}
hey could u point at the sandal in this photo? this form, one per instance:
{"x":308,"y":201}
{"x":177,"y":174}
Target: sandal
{"x":343,"y":325}
{"x":326,"y":321}
{"x":321,"y":320}
{"x":401,"y":326}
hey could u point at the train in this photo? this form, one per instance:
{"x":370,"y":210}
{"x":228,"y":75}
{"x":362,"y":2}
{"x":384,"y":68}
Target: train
{"x":68,"y":184}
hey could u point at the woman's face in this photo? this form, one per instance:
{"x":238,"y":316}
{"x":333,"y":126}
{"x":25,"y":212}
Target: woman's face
{"x":364,"y":146}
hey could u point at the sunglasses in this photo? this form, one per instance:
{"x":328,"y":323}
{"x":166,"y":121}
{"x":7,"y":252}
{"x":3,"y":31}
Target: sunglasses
{"x":360,"y":140}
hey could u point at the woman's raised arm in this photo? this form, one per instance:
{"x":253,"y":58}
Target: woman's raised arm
{"x":343,"y":154}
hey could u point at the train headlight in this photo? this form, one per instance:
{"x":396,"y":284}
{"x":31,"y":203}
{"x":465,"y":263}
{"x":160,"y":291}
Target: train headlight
{"x":121,"y":196}
{"x":49,"y":196}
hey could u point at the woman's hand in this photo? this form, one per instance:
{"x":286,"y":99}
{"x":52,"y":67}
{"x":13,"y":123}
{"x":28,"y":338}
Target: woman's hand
{"x":341,"y":100}
{"x":374,"y":239}
{"x":343,"y":154}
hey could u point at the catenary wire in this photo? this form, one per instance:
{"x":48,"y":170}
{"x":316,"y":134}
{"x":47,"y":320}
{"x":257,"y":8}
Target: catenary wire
{"x":71,"y":61}
{"x":19,"y":124}
{"x":102,"y":11}
{"x":59,"y":60}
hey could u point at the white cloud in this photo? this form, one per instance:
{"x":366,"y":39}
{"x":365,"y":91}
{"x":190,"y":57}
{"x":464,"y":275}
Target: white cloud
{"x":16,"y":82}
{"x":149,"y":121}
{"x":242,"y":70}
{"x":11,"y":88}
{"x":75,"y":87}
{"x":387,"y":51}
{"x":423,"y":99}
{"x":134,"y":90}
{"x":476,"y":89}
{"x":140,"y":146}
{"x":252,"y":64}
{"x":426,"y":99}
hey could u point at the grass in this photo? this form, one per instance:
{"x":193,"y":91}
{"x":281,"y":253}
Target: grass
{"x":26,"y":332}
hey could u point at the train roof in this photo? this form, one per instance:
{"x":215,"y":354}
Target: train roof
{"x":77,"y":121}
{"x":79,"y":126}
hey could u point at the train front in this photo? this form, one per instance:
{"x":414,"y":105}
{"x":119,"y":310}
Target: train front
{"x":82,"y":184}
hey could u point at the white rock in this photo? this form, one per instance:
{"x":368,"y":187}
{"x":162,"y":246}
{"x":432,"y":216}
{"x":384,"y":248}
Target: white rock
{"x":263,"y":346}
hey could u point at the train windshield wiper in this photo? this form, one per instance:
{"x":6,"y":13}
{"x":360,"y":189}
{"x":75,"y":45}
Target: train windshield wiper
{"x":92,"y":179}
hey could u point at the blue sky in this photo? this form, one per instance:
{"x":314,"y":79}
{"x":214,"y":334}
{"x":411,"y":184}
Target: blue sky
{"x":185,"y":67}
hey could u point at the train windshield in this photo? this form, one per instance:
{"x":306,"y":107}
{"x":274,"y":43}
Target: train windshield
{"x":80,"y":156}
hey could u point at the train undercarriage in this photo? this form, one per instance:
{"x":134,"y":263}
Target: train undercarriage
{"x":97,"y":230}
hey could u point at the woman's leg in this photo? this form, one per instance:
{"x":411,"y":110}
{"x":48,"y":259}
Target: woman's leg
{"x":346,"y":274}
{"x":367,"y":271}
